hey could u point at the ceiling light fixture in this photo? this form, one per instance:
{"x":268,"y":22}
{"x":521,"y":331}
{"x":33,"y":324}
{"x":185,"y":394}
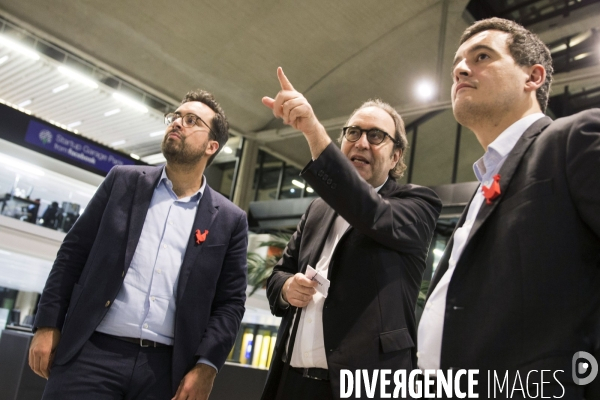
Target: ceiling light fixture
{"x":118,"y":142}
{"x":112,"y":112}
{"x":134,"y":156}
{"x":310,"y":190}
{"x":74,"y":124}
{"x":60,"y":88}
{"x":425,"y":90}
{"x":11,"y":44}
{"x":24,"y":103}
{"x":227,"y":150}
{"x":130,"y":102}
{"x":298,"y":184}
{"x":154,"y":159}
{"x":157,"y":133}
{"x":3,"y":59}
{"x":78,"y":77}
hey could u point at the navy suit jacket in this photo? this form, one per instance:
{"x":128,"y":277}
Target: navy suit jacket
{"x":93,"y":260}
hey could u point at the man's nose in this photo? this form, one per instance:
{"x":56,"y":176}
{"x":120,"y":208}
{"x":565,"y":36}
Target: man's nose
{"x":460,"y":69}
{"x":362,"y":141}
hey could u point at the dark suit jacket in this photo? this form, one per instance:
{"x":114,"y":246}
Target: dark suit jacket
{"x":95,"y":255}
{"x":375,"y":271}
{"x":525,"y":294}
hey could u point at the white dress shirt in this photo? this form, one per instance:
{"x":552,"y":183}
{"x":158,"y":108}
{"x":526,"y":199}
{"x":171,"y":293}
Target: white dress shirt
{"x":431,"y":325}
{"x":309,"y":349}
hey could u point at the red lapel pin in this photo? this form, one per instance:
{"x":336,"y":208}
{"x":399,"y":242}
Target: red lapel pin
{"x":493,"y":191}
{"x":201,"y":237}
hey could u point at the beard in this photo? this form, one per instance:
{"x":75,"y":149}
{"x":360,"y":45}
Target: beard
{"x":181,"y":153}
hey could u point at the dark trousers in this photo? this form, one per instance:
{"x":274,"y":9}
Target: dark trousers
{"x":296,"y":387}
{"x":108,"y":368}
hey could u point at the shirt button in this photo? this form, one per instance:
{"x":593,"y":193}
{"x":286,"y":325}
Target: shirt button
{"x":145,"y":326}
{"x":107,"y":303}
{"x":152,"y":298}
{"x":123,"y":274}
{"x":164,"y":246}
{"x":309,"y":320}
{"x":306,"y":354}
{"x":170,"y":222}
{"x":428,"y":305}
{"x":159,"y":271}
{"x":418,"y":354}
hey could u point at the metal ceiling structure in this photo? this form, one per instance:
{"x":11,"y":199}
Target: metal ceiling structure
{"x":338,"y":54}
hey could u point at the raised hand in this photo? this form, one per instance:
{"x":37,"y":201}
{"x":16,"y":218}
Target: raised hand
{"x":291,"y":106}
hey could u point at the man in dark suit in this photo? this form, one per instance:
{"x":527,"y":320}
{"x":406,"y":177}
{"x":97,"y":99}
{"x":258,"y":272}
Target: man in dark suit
{"x":368,"y":236}
{"x":518,"y":288}
{"x":148,"y":289}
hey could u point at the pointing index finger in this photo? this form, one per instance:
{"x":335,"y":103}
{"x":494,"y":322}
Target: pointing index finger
{"x":283,"y":80}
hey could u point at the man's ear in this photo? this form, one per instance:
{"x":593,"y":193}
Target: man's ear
{"x":396,"y":156}
{"x":536,"y":77}
{"x":212,"y":147}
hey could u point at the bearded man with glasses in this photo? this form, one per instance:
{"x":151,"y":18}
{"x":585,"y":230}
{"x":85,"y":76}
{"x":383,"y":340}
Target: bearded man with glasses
{"x":367,"y":237}
{"x":146,"y":296}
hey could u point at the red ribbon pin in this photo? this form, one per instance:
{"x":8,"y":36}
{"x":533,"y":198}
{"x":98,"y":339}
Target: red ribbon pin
{"x":201,"y":237}
{"x":493,"y":191}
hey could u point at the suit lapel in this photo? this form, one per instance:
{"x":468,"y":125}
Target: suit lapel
{"x":328,"y":217}
{"x":143,"y":192}
{"x":508,"y":170}
{"x":205,"y":216}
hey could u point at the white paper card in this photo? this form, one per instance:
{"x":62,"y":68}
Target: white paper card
{"x":323,"y":283}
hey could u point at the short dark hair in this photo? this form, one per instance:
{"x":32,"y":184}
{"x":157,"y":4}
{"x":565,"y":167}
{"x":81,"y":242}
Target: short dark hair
{"x":219,"y":124}
{"x":525,"y":47}
{"x":399,"y":133}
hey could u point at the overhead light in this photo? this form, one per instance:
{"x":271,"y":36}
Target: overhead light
{"x":130,"y":102}
{"x":19,"y":166}
{"x":60,"y":88}
{"x":227,"y":150}
{"x":74,"y":124}
{"x":154,"y":159}
{"x":118,"y":142}
{"x":78,"y":77}
{"x":310,"y":190}
{"x":292,"y":190}
{"x":157,"y":133}
{"x":298,"y":184}
{"x":581,"y":56}
{"x":3,"y":59}
{"x":24,"y":103}
{"x":112,"y":112}
{"x":425,"y":90}
{"x":135,"y":156}
{"x":11,"y":44}
{"x":438,"y":252}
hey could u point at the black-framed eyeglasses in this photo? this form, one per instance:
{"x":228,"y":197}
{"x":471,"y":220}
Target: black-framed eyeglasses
{"x":187,"y":120}
{"x":374,"y":136}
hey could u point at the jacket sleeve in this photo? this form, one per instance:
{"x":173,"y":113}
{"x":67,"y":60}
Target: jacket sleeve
{"x":230,"y":296}
{"x":286,"y":267}
{"x":404,"y":221}
{"x":71,"y":259}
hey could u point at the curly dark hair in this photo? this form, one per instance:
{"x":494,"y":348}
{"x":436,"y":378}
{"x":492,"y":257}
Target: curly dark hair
{"x":219,"y":124}
{"x":525,"y":48}
{"x":399,"y":133}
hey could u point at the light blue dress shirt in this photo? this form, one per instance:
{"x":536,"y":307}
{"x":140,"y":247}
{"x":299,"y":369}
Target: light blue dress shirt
{"x":145,"y":305}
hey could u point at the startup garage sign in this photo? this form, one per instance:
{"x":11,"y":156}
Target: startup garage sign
{"x":73,"y":147}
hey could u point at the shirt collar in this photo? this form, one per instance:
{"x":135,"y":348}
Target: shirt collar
{"x":378,"y":188}
{"x":169,"y":185}
{"x":498,"y":150}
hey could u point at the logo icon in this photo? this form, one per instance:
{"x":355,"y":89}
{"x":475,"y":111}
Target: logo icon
{"x":46,"y":136}
{"x":588,"y":367}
